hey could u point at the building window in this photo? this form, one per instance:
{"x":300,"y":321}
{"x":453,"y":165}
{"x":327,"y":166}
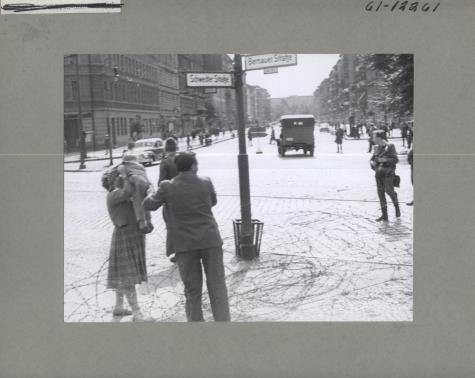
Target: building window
{"x":74,"y":90}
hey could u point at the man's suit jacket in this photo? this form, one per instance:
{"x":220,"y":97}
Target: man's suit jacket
{"x":187,"y":201}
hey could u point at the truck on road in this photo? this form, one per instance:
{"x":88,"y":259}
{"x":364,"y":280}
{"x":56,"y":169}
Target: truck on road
{"x":297,"y":133}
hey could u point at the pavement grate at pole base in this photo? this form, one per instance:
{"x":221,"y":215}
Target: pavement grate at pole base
{"x":257,"y":231}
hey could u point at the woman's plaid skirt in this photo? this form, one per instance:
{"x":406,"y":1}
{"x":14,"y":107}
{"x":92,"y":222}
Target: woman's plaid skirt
{"x":127,"y":266}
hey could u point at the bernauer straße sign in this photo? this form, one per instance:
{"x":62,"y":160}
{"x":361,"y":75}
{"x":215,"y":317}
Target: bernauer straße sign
{"x":257,"y":62}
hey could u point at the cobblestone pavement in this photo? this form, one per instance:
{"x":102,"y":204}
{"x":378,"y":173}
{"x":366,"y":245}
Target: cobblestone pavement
{"x":323,"y":258}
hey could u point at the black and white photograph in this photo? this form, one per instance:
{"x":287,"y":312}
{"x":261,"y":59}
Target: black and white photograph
{"x":238,"y":187}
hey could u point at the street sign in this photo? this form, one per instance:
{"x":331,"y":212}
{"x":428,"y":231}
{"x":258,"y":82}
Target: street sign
{"x":257,"y":62}
{"x":271,"y":70}
{"x":209,"y":79}
{"x":211,"y":90}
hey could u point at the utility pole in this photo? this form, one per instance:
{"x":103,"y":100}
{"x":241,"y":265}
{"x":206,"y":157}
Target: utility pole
{"x":82,"y":134}
{"x":246,"y":242}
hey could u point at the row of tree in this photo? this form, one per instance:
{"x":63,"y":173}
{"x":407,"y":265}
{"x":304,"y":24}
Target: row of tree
{"x":398,"y":73}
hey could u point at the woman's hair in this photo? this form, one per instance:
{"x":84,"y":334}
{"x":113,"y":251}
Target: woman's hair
{"x":108,"y":178}
{"x":170,"y":145}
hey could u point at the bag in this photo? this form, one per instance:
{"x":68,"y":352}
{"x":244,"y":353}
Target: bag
{"x":397,"y":181}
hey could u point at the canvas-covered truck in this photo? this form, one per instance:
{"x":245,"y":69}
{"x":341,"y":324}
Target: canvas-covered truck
{"x":297,"y":133}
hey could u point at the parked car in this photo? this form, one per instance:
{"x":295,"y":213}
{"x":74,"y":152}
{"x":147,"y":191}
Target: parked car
{"x":147,"y":151}
{"x":297,"y":133}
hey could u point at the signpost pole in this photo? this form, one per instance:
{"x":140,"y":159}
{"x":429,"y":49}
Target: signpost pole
{"x":247,"y":251}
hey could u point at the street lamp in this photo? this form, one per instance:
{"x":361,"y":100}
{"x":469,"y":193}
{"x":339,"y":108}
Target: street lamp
{"x":246,"y":237}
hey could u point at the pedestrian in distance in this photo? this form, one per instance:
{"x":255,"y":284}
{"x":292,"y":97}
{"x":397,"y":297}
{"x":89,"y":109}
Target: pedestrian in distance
{"x":127,"y":262}
{"x":359,"y":128}
{"x":383,"y":162}
{"x":339,"y":133}
{"x":272,"y":135}
{"x":370,"y":137}
{"x":410,"y":160}
{"x":384,"y":127}
{"x":188,"y":200}
{"x":188,"y":142}
{"x":249,"y":136}
{"x":404,"y":130}
{"x":106,"y":144}
{"x":410,"y":134}
{"x":168,"y":171}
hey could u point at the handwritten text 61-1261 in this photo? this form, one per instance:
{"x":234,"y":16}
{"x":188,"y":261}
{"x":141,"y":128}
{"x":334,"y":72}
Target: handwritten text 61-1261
{"x":402,"y":6}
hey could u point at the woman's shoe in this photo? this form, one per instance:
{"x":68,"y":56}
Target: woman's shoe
{"x":121,"y":312}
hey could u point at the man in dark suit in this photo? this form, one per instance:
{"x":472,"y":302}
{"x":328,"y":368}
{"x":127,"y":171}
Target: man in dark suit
{"x":192,"y":228}
{"x":168,"y":171}
{"x":383,"y":162}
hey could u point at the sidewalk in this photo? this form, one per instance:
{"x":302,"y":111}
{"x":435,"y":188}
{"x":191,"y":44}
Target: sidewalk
{"x":74,"y":157}
{"x":100,"y":161}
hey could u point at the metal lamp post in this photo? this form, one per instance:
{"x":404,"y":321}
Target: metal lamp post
{"x":246,"y":241}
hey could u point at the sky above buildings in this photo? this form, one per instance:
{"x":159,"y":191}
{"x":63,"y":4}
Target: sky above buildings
{"x":299,"y":80}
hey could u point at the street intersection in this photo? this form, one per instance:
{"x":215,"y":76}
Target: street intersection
{"x":323,"y":258}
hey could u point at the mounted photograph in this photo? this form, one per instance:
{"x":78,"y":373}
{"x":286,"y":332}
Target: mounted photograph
{"x":238,"y":187}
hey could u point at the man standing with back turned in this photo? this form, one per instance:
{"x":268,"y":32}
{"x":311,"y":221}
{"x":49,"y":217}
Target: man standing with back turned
{"x":187,"y":201}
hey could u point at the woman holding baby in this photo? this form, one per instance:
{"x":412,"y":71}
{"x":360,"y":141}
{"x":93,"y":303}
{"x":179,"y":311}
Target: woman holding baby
{"x":127,"y":184}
